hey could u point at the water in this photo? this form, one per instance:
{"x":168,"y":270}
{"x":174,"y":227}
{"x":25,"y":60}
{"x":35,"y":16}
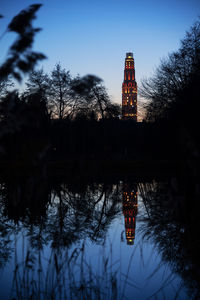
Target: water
{"x":90,"y":241}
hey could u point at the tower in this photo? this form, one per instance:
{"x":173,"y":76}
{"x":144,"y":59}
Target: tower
{"x":129,"y":90}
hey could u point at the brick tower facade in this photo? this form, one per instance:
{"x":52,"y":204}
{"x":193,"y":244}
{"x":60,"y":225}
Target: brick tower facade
{"x":129,"y":90}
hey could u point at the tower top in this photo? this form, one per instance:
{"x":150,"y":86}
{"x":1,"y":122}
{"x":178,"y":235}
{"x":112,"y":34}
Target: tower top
{"x":129,"y":55}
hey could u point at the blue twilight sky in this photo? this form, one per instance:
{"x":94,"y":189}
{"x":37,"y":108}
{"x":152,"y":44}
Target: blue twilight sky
{"x":92,"y":37}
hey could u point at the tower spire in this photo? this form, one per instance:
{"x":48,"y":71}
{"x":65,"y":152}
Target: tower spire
{"x":129,"y":89}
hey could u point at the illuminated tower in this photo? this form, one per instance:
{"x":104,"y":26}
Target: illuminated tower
{"x":130,"y":211}
{"x":129,"y":90}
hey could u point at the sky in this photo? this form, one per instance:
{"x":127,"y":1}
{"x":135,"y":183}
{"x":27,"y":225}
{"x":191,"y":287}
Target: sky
{"x":92,"y":37}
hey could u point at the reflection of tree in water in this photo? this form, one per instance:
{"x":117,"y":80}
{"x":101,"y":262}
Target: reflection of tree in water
{"x":87,"y":213}
{"x":23,"y":202}
{"x":172,"y":222}
{"x":57,"y":212}
{"x":25,"y":198}
{"x":38,"y":213}
{"x":60,"y":214}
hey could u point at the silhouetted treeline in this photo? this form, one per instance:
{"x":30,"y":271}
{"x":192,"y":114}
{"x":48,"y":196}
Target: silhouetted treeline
{"x":72,"y":98}
{"x":29,"y":135}
{"x":38,"y":138}
{"x":173,"y":91}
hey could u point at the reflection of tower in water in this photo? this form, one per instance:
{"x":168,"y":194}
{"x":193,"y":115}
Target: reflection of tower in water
{"x":130,"y":208}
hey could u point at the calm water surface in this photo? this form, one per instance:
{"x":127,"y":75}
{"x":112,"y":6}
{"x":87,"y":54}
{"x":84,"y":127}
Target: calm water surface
{"x":89,"y":241}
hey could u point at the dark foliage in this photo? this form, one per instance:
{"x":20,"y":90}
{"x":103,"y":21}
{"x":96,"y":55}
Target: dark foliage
{"x":173,"y":93}
{"x":112,"y":140}
{"x":21,"y":59}
{"x":94,"y":97}
{"x":175,"y":86}
{"x":24,"y":124}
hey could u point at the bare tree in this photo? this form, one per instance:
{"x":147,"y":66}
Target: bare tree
{"x":60,"y":98}
{"x":172,"y":79}
{"x":38,"y":81}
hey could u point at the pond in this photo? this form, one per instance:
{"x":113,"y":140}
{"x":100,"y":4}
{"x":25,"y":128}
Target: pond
{"x":126,"y":239}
